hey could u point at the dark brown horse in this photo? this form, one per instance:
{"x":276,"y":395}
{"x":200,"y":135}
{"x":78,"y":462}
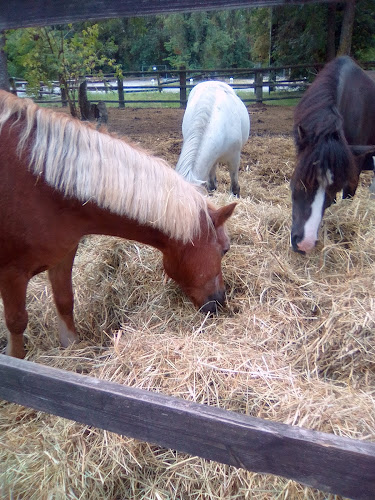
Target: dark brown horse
{"x":61,"y":179}
{"x":334,"y":131}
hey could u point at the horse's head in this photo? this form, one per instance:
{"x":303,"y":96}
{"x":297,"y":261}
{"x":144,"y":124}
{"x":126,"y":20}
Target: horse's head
{"x":335,"y":111}
{"x":308,"y":204}
{"x":196,"y":266}
{"x":323,"y":169}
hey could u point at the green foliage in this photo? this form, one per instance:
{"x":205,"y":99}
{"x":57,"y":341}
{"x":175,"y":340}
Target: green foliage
{"x":139,"y":41}
{"x":288,"y":34}
{"x":18,"y":45}
{"x":208,"y":39}
{"x":299,"y":34}
{"x":180,"y":44}
{"x":62,"y":53}
{"x":259,"y":31}
{"x":363,"y":47}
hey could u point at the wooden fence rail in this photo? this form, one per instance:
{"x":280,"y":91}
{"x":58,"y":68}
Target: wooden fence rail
{"x":330,"y":463}
{"x":183,"y":80}
{"x":281,"y":78}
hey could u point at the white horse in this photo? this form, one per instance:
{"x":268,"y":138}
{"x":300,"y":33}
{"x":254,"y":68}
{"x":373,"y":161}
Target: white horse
{"x":215,"y":127}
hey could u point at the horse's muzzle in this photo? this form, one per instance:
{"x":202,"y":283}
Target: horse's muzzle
{"x":213,"y":303}
{"x":294,"y":240}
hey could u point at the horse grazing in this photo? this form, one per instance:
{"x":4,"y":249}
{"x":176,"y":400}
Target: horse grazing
{"x":334,"y":132}
{"x":215,"y":127}
{"x":62,"y":179}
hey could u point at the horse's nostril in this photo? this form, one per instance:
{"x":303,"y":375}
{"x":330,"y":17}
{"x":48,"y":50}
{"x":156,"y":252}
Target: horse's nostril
{"x":295,"y":239}
{"x":214,"y":301}
{"x":209,"y":307}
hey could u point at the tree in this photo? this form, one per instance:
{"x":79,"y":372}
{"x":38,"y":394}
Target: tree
{"x":289,"y":34}
{"x":63,"y":53}
{"x":227,"y":42}
{"x":299,"y":34}
{"x":331,"y":29}
{"x":178,"y":45}
{"x":363,"y":41}
{"x":209,"y":39}
{"x":319,"y":32}
{"x":139,"y":41}
{"x":347,"y":29}
{"x":4,"y":76}
{"x":260,"y":31}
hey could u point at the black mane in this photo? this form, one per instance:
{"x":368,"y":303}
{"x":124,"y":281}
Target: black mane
{"x":318,"y":127}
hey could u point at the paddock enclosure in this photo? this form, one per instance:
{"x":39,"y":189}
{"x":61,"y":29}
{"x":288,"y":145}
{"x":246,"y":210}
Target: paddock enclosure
{"x":294,"y":345}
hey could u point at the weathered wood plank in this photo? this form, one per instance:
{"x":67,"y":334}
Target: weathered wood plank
{"x":327,"y":462}
{"x":24,"y":13}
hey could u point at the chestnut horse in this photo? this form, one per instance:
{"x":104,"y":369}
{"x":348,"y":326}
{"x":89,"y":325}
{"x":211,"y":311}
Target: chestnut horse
{"x":334,"y":131}
{"x":62,"y":179}
{"x":215,"y":127}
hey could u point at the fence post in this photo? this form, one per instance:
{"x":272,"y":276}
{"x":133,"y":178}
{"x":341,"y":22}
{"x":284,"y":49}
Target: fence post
{"x":120,"y":90}
{"x":259,"y":86}
{"x":182,"y":87}
{"x":4,"y":77}
{"x":83,"y":102}
{"x":63,"y":91}
{"x":160,"y":88}
{"x":12,"y":85}
{"x":272,"y":81}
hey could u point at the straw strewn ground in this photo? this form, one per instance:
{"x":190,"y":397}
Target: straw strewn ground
{"x":296,"y":344}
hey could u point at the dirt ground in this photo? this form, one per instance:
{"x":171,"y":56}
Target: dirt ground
{"x":150,"y":126}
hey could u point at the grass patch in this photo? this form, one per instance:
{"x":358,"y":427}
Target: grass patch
{"x":168,"y":99}
{"x":282,"y":102}
{"x":171,"y":99}
{"x":155,"y":99}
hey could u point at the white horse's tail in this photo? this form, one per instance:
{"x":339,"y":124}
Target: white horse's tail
{"x":193,"y":137}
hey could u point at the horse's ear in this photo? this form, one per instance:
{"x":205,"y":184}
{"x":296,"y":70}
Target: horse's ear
{"x":362,"y":150}
{"x":301,"y":133}
{"x":222,"y":214}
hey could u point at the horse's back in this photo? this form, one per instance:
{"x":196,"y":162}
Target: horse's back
{"x":356,"y":103}
{"x":209,"y":86}
{"x":342,"y":95}
{"x":220,"y":109}
{"x":215,"y":127}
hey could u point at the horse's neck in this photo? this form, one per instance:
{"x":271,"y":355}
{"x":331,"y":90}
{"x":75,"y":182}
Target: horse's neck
{"x":101,"y":221}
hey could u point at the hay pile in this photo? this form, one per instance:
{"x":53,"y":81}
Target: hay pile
{"x":296,"y":344}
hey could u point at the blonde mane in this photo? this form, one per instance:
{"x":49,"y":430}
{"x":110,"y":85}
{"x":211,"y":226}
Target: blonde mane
{"x":89,"y":165}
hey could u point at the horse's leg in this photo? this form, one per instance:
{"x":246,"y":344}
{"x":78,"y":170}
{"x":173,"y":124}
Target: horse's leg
{"x":212,"y":182}
{"x":351,"y":185}
{"x":233,"y":171}
{"x":349,"y":190}
{"x":13,"y":287}
{"x":372,"y":186}
{"x":60,"y":277}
